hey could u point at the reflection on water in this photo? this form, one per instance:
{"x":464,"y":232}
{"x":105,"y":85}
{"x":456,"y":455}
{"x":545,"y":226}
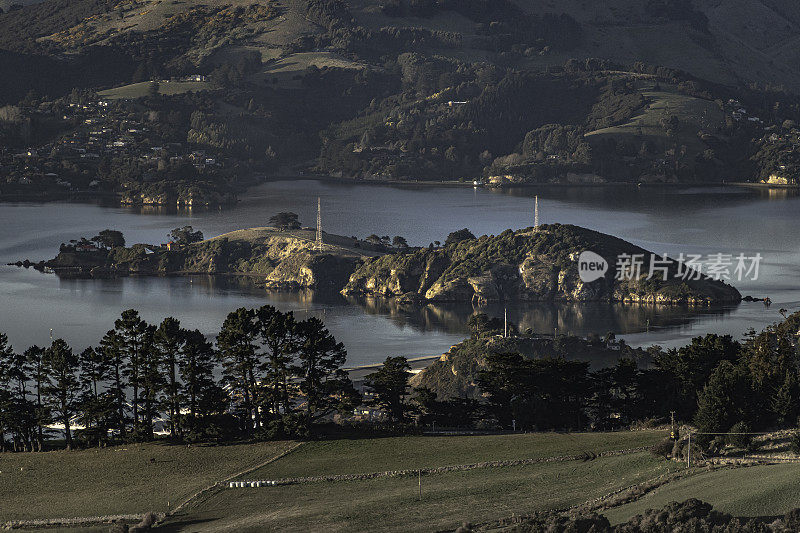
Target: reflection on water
{"x":541,"y":317}
{"x":671,"y":220}
{"x":559,"y":317}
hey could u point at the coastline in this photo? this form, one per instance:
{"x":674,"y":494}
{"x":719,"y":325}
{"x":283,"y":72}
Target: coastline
{"x":89,"y":197}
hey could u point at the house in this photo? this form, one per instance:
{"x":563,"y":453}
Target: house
{"x":86,"y":247}
{"x":775,"y":179}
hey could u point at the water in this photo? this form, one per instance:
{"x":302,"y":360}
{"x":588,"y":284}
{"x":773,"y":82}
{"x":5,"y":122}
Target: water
{"x":693,"y":220}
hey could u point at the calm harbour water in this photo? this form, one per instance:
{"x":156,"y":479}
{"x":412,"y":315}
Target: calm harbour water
{"x":664,"y":220}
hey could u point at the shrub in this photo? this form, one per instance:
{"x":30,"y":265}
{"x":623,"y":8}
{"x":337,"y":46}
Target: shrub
{"x":740,"y":441}
{"x":792,"y":519}
{"x":147,"y":522}
{"x":663,"y":448}
{"x":794,"y":442}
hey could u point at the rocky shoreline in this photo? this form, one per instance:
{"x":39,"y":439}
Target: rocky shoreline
{"x":529,"y":265}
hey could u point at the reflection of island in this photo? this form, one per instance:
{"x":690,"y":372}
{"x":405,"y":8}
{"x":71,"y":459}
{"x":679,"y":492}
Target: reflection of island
{"x":543,"y":317}
{"x":571,"y":318}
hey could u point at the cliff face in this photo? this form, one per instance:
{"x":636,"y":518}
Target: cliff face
{"x":526,"y":265}
{"x":283,"y":260}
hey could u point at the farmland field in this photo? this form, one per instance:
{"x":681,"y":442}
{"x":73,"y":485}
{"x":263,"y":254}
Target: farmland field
{"x":767,"y":490}
{"x":693,"y":113}
{"x":135,"y":478}
{"x":376,"y":455}
{"x":138,"y":90}
{"x":393,"y":504}
{"x":150,"y":477}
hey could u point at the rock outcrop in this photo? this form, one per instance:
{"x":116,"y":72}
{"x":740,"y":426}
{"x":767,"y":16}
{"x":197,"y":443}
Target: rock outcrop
{"x":281,"y":260}
{"x":538,"y":264}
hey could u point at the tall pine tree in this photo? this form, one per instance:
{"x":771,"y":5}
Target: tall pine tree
{"x":62,"y":386}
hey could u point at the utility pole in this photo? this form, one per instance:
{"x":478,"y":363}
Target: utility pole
{"x":319,"y":224}
{"x":419,"y":479}
{"x":505,"y":322}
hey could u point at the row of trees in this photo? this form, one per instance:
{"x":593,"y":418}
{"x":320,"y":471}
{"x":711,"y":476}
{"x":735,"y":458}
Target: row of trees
{"x":267,"y":375}
{"x":716,"y":383}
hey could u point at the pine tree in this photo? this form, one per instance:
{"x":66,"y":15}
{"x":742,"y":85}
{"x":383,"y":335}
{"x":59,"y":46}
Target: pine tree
{"x":786,"y":401}
{"x":95,"y":405}
{"x":24,"y":412}
{"x":133,"y":335}
{"x":62,"y":386}
{"x":726,"y":399}
{"x":168,"y":343}
{"x":35,"y":357}
{"x":6,"y":403}
{"x":201,"y":394}
{"x":277,"y":331}
{"x":152,"y":380}
{"x":111,"y":346}
{"x":239,"y":355}
{"x":390,"y":386}
{"x":323,"y":384}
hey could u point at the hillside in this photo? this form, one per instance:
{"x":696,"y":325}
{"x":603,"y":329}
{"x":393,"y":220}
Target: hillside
{"x":274,"y":259}
{"x":526,"y":265}
{"x":454,"y":374}
{"x":149,"y":98}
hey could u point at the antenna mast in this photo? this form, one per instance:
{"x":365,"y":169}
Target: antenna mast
{"x":536,"y":213}
{"x":319,"y":224}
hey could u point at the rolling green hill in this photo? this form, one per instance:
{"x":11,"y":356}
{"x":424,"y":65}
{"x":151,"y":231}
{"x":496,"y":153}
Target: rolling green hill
{"x":767,"y":490}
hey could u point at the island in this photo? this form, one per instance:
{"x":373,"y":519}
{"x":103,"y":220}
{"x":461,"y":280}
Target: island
{"x":534,"y":265}
{"x":528,"y":265}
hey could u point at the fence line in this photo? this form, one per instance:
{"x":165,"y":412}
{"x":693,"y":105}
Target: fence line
{"x":422,"y":471}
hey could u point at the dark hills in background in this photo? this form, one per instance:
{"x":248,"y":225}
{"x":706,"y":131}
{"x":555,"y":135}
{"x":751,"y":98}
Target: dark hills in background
{"x":730,"y":42}
{"x":429,"y":89}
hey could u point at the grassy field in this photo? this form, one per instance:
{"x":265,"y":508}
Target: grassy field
{"x":694,"y":114}
{"x":377,"y":455}
{"x":393,"y":504}
{"x":155,"y":477}
{"x":767,"y":490}
{"x":118,"y":480}
{"x":138,"y":90}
